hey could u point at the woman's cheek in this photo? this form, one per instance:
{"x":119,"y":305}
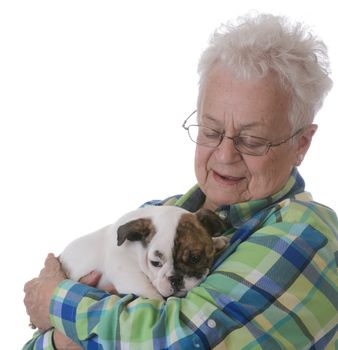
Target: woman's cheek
{"x":201,"y":164}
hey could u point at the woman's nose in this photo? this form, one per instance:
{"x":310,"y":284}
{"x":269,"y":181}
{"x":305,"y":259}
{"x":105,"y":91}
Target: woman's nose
{"x":226,"y":151}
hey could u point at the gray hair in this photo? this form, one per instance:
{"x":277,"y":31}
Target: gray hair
{"x":256,"y":45}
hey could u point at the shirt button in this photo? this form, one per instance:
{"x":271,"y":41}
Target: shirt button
{"x":196,"y":343}
{"x":211,"y":323}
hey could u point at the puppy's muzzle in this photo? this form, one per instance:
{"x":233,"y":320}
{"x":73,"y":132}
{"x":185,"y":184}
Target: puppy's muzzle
{"x":176,"y":282}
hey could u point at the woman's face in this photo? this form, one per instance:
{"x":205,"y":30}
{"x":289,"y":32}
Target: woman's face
{"x":237,"y":107}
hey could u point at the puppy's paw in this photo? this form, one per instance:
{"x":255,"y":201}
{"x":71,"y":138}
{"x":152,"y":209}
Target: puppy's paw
{"x":220,"y":243}
{"x":153,"y":295}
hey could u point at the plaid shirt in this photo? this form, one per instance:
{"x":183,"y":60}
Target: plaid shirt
{"x":275,"y":287}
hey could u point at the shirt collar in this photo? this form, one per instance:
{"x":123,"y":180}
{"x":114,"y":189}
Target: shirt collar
{"x":237,"y":214}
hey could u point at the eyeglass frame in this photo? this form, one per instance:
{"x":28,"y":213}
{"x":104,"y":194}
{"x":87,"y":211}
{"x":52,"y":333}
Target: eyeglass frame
{"x":222,"y":135}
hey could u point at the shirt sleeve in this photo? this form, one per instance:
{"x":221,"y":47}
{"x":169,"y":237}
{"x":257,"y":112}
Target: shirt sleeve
{"x":41,"y":341}
{"x":277,"y":290}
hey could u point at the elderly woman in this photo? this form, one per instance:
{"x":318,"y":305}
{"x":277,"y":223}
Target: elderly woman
{"x":262,"y":81}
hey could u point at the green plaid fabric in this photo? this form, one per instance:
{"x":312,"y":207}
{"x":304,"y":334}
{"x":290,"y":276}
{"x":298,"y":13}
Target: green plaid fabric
{"x":274,"y":288}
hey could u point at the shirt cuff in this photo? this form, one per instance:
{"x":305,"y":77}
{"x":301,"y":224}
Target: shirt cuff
{"x":41,"y":341}
{"x":64,"y":306}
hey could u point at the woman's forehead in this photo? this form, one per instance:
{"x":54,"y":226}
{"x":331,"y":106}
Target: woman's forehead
{"x":252,"y":123}
{"x":259,"y":95}
{"x":246,"y":105}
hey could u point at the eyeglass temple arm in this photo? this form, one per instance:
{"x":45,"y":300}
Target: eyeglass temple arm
{"x":185,"y":122}
{"x":287,"y":139}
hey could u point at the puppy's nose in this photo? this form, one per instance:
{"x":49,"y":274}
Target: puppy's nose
{"x":176,"y":282}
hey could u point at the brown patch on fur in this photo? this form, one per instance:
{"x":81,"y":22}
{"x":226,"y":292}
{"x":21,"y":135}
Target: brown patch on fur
{"x":136,"y":230}
{"x":193,"y":247}
{"x":214,"y":225}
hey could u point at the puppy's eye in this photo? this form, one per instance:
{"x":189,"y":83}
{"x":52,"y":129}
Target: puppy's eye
{"x":194,"y":259}
{"x":155,"y":263}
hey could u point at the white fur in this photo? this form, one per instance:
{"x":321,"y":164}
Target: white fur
{"x":128,"y":266}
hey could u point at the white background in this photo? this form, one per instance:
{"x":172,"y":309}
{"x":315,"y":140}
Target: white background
{"x":92,"y":98}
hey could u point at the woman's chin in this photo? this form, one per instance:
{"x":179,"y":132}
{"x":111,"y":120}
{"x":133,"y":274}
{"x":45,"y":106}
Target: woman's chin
{"x":218,"y":195}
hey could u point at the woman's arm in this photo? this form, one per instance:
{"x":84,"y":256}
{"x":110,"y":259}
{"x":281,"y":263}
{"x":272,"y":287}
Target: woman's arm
{"x":278,"y":289}
{"x":265,"y":295}
{"x":52,"y":339}
{"x":41,"y":341}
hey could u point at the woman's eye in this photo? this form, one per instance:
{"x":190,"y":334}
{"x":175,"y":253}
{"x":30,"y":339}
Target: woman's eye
{"x":155,"y":263}
{"x":251,"y":142}
{"x":210,"y":134}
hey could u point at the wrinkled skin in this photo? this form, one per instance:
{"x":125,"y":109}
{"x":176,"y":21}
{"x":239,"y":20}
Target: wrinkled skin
{"x":38,"y":293}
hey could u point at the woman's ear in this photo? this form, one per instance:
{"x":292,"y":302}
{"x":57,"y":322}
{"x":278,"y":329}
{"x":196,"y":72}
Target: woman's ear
{"x":304,"y":142}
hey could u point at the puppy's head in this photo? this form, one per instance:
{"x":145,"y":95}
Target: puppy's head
{"x":179,"y":245}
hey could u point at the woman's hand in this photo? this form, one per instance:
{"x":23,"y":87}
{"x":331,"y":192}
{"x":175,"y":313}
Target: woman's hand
{"x":61,"y":342}
{"x":39,"y":291}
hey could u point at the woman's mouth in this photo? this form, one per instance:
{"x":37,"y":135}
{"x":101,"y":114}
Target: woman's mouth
{"x":226,"y":179}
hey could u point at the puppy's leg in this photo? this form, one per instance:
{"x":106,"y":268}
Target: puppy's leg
{"x":138,"y":284}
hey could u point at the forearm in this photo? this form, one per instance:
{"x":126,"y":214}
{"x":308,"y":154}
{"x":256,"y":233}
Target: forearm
{"x":77,"y":310}
{"x":51,"y":340}
{"x":61,"y":342}
{"x":38,"y":292}
{"x":244,"y":303}
{"x":40,"y":341}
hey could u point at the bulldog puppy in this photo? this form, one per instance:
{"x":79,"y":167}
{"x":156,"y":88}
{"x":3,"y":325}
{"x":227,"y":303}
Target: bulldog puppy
{"x":152,"y":252}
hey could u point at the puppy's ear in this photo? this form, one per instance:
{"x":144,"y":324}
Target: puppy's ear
{"x":136,"y":230}
{"x":214,"y":225}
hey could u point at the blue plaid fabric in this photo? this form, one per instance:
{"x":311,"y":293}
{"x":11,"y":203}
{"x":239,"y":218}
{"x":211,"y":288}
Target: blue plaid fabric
{"x":274,"y":288}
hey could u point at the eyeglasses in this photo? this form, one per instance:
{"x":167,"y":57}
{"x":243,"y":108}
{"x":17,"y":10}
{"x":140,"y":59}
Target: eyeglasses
{"x":244,"y":144}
